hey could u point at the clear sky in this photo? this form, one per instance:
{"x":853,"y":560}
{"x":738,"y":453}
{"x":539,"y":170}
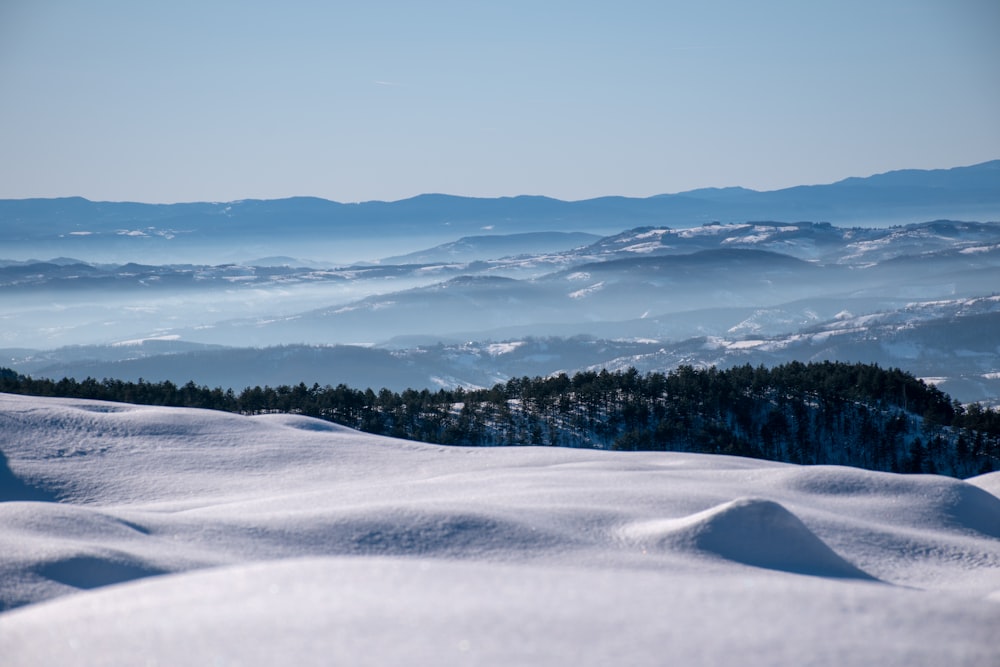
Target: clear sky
{"x":353,"y":101}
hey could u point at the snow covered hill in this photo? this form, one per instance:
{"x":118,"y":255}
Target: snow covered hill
{"x":813,"y":241}
{"x":141,"y":535}
{"x":953,"y":344}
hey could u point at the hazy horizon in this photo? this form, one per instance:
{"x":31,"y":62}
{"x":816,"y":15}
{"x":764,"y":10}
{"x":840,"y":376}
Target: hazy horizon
{"x":510,"y":196}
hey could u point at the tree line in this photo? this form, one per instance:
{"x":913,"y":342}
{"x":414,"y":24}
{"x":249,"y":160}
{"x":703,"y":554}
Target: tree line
{"x":818,"y":413}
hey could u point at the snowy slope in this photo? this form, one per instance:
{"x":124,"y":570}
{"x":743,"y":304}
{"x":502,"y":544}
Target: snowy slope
{"x":285,"y":540}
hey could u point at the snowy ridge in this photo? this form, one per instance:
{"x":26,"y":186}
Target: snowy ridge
{"x":136,"y":534}
{"x":810,"y":241}
{"x":952,"y":340}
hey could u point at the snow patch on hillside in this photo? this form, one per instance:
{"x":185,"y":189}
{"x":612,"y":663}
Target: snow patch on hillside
{"x":496,"y":349}
{"x":140,"y":341}
{"x":587,"y":291}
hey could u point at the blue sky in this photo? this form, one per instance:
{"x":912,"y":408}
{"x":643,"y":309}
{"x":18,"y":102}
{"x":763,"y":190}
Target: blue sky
{"x":185,"y":101}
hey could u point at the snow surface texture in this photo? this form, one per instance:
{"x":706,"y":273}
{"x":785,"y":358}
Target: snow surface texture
{"x":286,"y":540}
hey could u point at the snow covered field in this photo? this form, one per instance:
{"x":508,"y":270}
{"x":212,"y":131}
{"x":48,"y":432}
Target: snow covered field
{"x":286,"y":540}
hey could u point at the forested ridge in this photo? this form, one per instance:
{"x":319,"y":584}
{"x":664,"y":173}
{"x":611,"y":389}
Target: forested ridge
{"x":819,"y":413}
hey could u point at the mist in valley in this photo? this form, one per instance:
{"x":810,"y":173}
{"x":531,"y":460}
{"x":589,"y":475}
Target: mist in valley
{"x":477,"y":309}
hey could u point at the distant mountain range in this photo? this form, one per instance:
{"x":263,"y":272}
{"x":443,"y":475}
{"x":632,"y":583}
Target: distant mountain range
{"x":921,"y":297}
{"x":467,"y":292}
{"x":650,"y":283}
{"x":99,"y":231}
{"x":562,"y":255}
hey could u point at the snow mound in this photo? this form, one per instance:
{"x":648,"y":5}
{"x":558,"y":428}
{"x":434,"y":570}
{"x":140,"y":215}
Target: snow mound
{"x":142,"y":535}
{"x":752,"y":531}
{"x":931,"y":500}
{"x":53,"y":549}
{"x":303,"y":423}
{"x":990,"y":483}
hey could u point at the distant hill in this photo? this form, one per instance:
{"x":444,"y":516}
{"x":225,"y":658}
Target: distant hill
{"x":950,"y":343}
{"x":77,"y":227}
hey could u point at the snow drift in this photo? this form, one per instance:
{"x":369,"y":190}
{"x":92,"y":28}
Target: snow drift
{"x":135,"y":535}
